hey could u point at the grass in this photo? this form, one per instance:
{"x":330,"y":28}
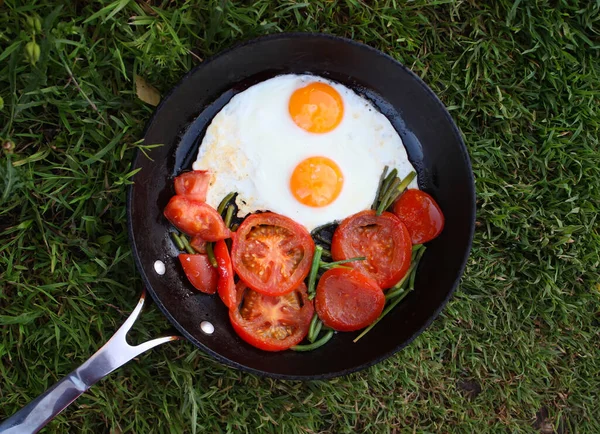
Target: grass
{"x":516,"y":350}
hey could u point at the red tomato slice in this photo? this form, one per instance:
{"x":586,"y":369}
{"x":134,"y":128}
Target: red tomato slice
{"x":196,"y":218}
{"x":383,"y":240}
{"x":199,"y":272}
{"x":193,"y":185}
{"x":226,"y":286}
{"x":421,"y":215}
{"x":271,"y":323}
{"x":198,"y":244}
{"x":347,"y":300}
{"x":272,"y":253}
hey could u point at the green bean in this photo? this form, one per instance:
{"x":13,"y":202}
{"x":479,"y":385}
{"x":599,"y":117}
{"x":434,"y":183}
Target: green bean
{"x":388,"y":179}
{"x":398,"y":288}
{"x":343,"y":267}
{"x":311,"y":327}
{"x":326,"y":253}
{"x":386,"y":184}
{"x":415,"y":249}
{"x":407,"y":180}
{"x":411,"y":284}
{"x":235,"y":227}
{"x":211,"y":254}
{"x":177,"y":241}
{"x":411,"y":280}
{"x":400,"y":189}
{"x":316,"y":331}
{"x":186,"y":244}
{"x":229,"y":215}
{"x":314,"y":345}
{"x":420,"y":254}
{"x":312,"y":277}
{"x":224,"y":202}
{"x":337,"y":264}
{"x":393,"y":294}
{"x":385,"y":199}
{"x":379,"y":186}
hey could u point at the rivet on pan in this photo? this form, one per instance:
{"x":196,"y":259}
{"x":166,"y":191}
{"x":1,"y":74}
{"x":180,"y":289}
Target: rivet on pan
{"x":159,"y":267}
{"x":207,"y":327}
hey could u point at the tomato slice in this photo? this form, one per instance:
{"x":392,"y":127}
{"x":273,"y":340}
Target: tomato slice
{"x":200,"y":272}
{"x":196,"y":218}
{"x":272,"y":253}
{"x":383,"y":240}
{"x":347,"y":300}
{"x":226,"y":285}
{"x":198,"y":244}
{"x":193,"y":185}
{"x":271,"y":323}
{"x":421,"y":215}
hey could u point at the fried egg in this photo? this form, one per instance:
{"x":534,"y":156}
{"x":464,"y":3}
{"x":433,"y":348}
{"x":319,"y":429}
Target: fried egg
{"x":302,"y":146}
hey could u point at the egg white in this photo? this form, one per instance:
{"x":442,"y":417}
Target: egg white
{"x":252,"y":147}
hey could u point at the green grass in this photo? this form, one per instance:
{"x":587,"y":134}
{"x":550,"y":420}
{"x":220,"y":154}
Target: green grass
{"x":516,"y":350}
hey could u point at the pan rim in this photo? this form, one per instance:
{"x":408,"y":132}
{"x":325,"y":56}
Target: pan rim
{"x":383,"y":356}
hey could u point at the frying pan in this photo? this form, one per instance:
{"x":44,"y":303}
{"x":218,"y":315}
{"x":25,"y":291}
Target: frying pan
{"x":434,"y":147}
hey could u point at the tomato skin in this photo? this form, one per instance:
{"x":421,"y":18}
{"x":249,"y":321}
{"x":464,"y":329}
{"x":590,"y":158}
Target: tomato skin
{"x":383,"y":240}
{"x":272,"y":253}
{"x":196,"y":218}
{"x":226,"y":285}
{"x":200,"y":272}
{"x":193,"y":185}
{"x":421,"y":215}
{"x":271,"y":323}
{"x":198,"y":244}
{"x":347,"y":300}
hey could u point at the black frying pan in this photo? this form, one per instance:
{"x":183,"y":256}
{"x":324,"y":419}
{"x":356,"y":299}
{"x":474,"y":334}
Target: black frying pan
{"x":435,"y":149}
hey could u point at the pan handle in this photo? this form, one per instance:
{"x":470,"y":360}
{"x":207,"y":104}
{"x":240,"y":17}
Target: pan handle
{"x":115,"y":353}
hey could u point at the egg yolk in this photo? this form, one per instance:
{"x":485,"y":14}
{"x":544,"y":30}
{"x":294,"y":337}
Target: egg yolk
{"x":316,"y":108}
{"x":316,"y":181}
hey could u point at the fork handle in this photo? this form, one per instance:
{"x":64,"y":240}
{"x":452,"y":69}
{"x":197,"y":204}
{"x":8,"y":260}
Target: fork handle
{"x":115,"y":353}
